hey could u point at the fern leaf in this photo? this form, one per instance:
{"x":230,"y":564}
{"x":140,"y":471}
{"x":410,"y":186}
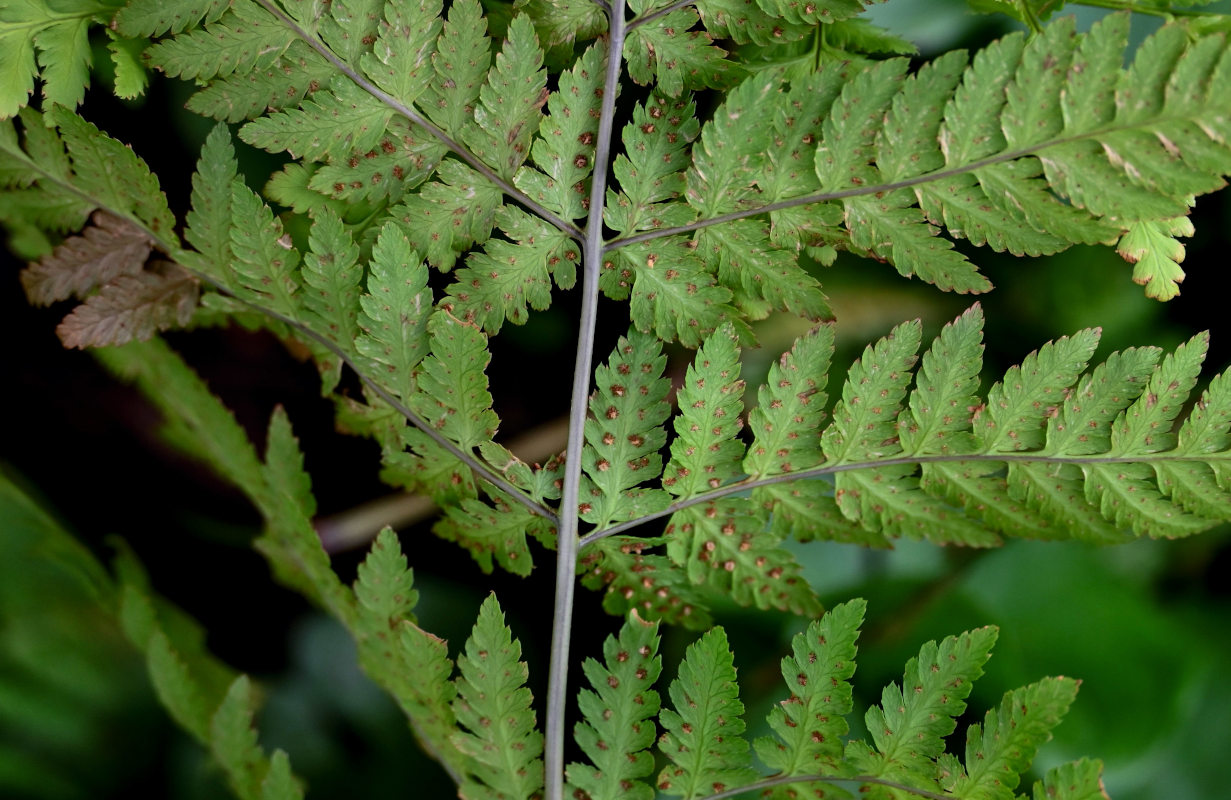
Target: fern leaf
{"x":625,"y":433}
{"x":643,"y":582}
{"x":60,"y":37}
{"x":131,"y":308}
{"x":455,"y":399}
{"x":565,"y":150}
{"x":401,"y":59}
{"x":1079,"y":780}
{"x":650,"y":170}
{"x":493,"y":704}
{"x":619,"y":710}
{"x":488,"y":532}
{"x":447,"y":216}
{"x":290,"y":542}
{"x":175,"y":687}
{"x":706,"y":452}
{"x":331,"y":274}
{"x":112,"y":175}
{"x":110,"y":248}
{"x":264,"y":259}
{"x":1152,"y":249}
{"x":156,"y":17}
{"x":823,"y":12}
{"x":1202,"y":488}
{"x":233,"y":741}
{"x":279,"y":782}
{"x":403,"y":159}
{"x":244,"y":39}
{"x":384,"y":587}
{"x":209,"y":221}
{"x":792,"y":401}
{"x":724,"y":546}
{"x":909,"y":726}
{"x":510,"y":102}
{"x":666,"y":53}
{"x":999,"y":751}
{"x":245,"y":95}
{"x":461,"y":62}
{"x":349,"y":27}
{"x":939,"y":417}
{"x":811,"y":724}
{"x":748,"y":22}
{"x":328,"y":125}
{"x":500,"y":282}
{"x":673,"y":295}
{"x":732,"y":150}
{"x":395,"y":312}
{"x":704,"y":729}
{"x":559,"y":22}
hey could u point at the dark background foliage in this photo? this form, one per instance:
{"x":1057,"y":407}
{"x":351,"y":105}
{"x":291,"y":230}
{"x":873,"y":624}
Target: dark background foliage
{"x":1143,"y":625}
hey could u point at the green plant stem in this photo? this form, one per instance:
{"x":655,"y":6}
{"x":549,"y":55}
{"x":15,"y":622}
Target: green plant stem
{"x":785,"y":779}
{"x":568,"y":542}
{"x":818,"y":472}
{"x":418,"y":119}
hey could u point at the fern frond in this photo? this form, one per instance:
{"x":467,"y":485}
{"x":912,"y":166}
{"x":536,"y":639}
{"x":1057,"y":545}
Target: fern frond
{"x":156,"y":17}
{"x":326,"y":126}
{"x":332,"y":274}
{"x":559,"y":22}
{"x":704,"y":727}
{"x":404,"y":158}
{"x":790,"y":407}
{"x":811,"y":724}
{"x":649,"y":584}
{"x":454,"y":397}
{"x":749,"y":22}
{"x":287,"y":82}
{"x":395,"y":313}
{"x":209,"y":220}
{"x":1079,"y":780}
{"x":264,"y":259}
{"x":493,"y":704}
{"x":132,"y":308}
{"x":461,"y":61}
{"x":625,"y":433}
{"x":510,"y":102}
{"x":909,"y":726}
{"x":618,"y":728}
{"x":999,"y":751}
{"x":564,"y":150}
{"x":498,"y":283}
{"x":401,"y":59}
{"x":492,"y":532}
{"x":706,"y":453}
{"x":664,"y":52}
{"x":244,"y":39}
{"x":41,"y":39}
{"x":446,"y":217}
{"x":651,"y":168}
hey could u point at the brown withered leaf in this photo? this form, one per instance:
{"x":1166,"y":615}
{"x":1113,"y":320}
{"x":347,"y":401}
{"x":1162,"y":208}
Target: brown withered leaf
{"x":132,"y":307}
{"x":104,"y":251}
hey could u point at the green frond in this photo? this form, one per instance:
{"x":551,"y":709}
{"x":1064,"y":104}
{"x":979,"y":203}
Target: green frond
{"x":619,"y":710}
{"x":400,"y":62}
{"x":624,"y":432}
{"x":403,"y":159}
{"x":156,"y":17}
{"x":209,"y":219}
{"x":743,"y":23}
{"x":909,"y":726}
{"x":461,"y":62}
{"x":559,"y":22}
{"x":999,"y":751}
{"x":175,"y":687}
{"x":810,"y":725}
{"x":649,"y":584}
{"x":233,"y":741}
{"x":394,"y":313}
{"x":493,"y":706}
{"x":244,"y":39}
{"x":499,"y":283}
{"x":1151,"y":247}
{"x":790,"y":408}
{"x":704,"y":727}
{"x":948,"y":377}
{"x":43,"y":39}
{"x":331,"y":276}
{"x":723,"y":547}
{"x":732,"y":150}
{"x":673,"y":296}
{"x":822,"y":11}
{"x":326,"y":126}
{"x":449,"y":215}
{"x":384,"y":587}
{"x":1079,"y":780}
{"x":650,"y":170}
{"x":490,"y":532}
{"x":454,"y":397}
{"x":564,"y":150}
{"x":280,"y":783}
{"x":349,"y":27}
{"x":706,"y":453}
{"x":418,"y":464}
{"x":287,"y":82}
{"x":510,"y":102}
{"x":667,"y":54}
{"x":263,"y":258}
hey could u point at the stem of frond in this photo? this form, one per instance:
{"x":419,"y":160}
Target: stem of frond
{"x":409,"y":113}
{"x":568,"y":542}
